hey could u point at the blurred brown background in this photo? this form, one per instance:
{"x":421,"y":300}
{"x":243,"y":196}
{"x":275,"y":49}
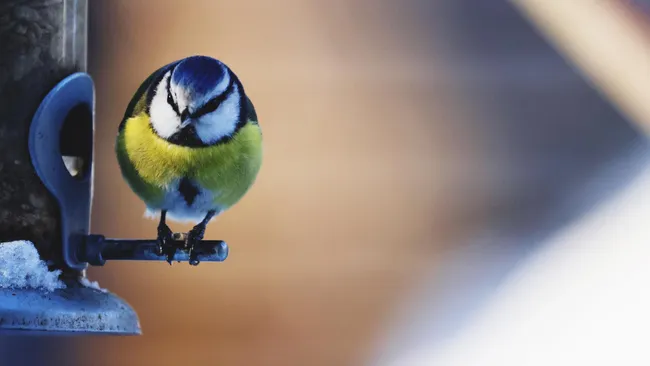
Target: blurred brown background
{"x":349,"y":204}
{"x":394,"y":131}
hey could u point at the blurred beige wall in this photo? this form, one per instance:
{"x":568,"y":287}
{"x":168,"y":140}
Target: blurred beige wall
{"x":349,"y":206}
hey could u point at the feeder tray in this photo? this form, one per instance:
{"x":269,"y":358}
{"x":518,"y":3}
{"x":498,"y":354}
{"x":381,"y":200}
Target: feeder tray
{"x":73,"y":310}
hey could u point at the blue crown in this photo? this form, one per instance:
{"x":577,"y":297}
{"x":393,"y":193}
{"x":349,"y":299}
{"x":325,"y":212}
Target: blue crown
{"x":198,"y":75}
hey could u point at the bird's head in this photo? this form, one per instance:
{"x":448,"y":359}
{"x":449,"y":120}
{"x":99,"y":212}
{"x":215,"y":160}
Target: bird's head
{"x":196,"y":102}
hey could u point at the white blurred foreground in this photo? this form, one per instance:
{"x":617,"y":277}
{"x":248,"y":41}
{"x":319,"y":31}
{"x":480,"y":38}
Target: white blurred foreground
{"x":583,"y":298}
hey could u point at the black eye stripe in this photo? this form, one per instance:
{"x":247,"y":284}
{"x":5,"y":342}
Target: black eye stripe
{"x":170,"y":99}
{"x":213,"y":104}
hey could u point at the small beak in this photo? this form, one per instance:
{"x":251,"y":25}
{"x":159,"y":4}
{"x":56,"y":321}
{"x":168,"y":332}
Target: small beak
{"x":185,"y":124}
{"x":185,"y":119}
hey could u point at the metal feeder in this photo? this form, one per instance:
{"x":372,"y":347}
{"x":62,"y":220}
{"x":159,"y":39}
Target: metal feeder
{"x":46,"y":175}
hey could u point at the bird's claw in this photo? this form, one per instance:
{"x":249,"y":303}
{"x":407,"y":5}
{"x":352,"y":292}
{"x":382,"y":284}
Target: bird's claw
{"x":170,"y":252}
{"x":165,"y":237}
{"x":194,"y":258}
{"x":194,"y":236}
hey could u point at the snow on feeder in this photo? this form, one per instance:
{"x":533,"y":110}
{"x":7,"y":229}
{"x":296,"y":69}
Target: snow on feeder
{"x":46,"y":180}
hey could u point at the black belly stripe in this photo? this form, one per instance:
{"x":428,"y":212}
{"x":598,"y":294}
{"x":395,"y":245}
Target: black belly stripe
{"x":188,"y":191}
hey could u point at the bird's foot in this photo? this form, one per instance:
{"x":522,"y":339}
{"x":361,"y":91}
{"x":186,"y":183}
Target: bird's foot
{"x":194,"y":237}
{"x":165,"y":238}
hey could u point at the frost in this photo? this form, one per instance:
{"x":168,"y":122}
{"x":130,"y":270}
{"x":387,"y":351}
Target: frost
{"x":91,"y":284}
{"x":21,"y":267}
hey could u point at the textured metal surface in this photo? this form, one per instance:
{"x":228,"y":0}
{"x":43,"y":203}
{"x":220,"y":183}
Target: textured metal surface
{"x":41,"y":42}
{"x":78,"y":310}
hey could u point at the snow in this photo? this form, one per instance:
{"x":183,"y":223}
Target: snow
{"x":21,"y":267}
{"x":91,"y":284}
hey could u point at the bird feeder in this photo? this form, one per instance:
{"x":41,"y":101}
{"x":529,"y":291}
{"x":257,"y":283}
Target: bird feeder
{"x":46,"y":175}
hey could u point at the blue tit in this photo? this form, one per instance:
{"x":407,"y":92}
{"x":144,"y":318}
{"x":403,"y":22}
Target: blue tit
{"x":189,"y":145}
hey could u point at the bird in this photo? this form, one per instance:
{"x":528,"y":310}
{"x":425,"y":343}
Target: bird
{"x":189,"y":146}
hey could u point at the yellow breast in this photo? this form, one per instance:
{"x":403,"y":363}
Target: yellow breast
{"x":227,"y":169}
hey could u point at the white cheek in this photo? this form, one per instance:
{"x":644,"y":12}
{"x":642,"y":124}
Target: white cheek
{"x":163,"y":118}
{"x":222,"y":122}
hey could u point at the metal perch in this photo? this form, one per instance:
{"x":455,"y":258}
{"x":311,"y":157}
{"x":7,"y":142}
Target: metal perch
{"x":97,"y":250}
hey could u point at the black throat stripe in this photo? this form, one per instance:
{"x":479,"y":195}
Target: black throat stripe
{"x":188,"y":190}
{"x":186,"y":137}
